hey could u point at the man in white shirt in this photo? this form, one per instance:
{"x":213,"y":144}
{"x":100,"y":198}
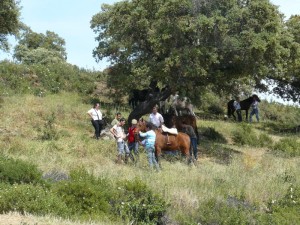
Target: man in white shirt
{"x":96,"y":119}
{"x":156,"y":118}
{"x":118,"y":132}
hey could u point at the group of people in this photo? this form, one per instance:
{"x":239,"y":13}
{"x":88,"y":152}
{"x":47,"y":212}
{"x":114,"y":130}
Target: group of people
{"x":128,"y":144}
{"x":254,"y":109}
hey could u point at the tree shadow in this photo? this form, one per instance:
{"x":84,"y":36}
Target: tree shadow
{"x":220,"y":153}
{"x":210,"y":134}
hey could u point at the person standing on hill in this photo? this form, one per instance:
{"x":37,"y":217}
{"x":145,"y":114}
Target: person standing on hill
{"x":120,"y":136}
{"x":96,"y":117}
{"x":189,"y":130}
{"x":116,"y":119}
{"x":156,"y":118}
{"x":254,"y":106}
{"x":237,"y":106}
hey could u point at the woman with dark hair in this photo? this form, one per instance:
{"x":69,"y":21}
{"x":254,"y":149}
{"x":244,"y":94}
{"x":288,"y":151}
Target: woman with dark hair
{"x":96,"y":117}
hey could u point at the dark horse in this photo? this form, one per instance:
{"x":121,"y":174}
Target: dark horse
{"x":172,"y":120}
{"x":245,"y":105}
{"x":138,"y":96}
{"x":167,"y":142}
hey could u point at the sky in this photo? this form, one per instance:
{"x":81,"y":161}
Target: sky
{"x":71,"y":21}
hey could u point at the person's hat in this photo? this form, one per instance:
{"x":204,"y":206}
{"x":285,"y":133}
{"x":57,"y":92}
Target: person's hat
{"x":134,"y":121}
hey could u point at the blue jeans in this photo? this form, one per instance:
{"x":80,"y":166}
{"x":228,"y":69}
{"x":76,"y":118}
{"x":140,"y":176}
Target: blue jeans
{"x":134,"y":146}
{"x":151,"y":158}
{"x":254,"y":111}
{"x":193,"y":148}
{"x":122,"y":148}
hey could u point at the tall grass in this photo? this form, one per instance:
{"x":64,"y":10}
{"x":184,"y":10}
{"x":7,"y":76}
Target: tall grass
{"x":253,"y":177}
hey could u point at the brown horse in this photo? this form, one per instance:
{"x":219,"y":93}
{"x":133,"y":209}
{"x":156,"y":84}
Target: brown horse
{"x":167,"y":142}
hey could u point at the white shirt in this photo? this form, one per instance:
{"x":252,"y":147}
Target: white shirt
{"x":236,"y":105}
{"x":156,"y":119}
{"x":96,"y":114}
{"x":254,"y":104}
{"x":119,"y":132}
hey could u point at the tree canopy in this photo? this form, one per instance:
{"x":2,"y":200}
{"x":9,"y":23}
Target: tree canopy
{"x":9,"y":21}
{"x":40,"y":48}
{"x":193,"y":45}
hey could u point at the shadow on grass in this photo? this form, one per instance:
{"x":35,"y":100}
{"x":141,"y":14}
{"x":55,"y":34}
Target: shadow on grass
{"x":209,"y":133}
{"x":220,"y":153}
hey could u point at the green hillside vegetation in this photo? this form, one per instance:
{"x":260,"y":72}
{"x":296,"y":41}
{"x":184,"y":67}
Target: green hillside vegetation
{"x":53,"y":172}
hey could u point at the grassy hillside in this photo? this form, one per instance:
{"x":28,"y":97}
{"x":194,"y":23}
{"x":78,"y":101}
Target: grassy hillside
{"x":236,"y":180}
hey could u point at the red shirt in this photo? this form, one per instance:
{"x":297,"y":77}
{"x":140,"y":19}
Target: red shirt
{"x":131,"y":131}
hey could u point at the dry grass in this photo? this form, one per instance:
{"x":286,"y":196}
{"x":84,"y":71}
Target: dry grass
{"x":253,"y":173}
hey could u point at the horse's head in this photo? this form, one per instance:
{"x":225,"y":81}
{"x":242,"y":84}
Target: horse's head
{"x":141,"y":126}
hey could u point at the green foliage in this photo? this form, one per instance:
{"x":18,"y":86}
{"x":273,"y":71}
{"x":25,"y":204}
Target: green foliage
{"x":49,"y":132}
{"x":31,"y":199}
{"x":85,"y":195}
{"x":36,"y":48}
{"x":288,"y":147}
{"x":43,"y":79}
{"x":17,"y":171}
{"x":231,"y":211}
{"x":9,"y":21}
{"x":185,"y":44}
{"x":137,"y":203}
{"x":279,"y":116}
{"x":285,"y":210}
{"x":215,"y":109}
{"x":245,"y":135}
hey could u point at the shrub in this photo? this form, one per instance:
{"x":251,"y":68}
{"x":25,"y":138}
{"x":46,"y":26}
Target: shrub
{"x":85,"y":196}
{"x":17,"y":171}
{"x":49,"y":131}
{"x":285,"y":210}
{"x":31,"y":199}
{"x":288,"y":147}
{"x":136,"y":202}
{"x":215,"y":109}
{"x":245,"y":135}
{"x":224,"y":212}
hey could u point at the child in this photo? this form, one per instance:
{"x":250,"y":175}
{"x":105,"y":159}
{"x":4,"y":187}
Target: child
{"x":118,"y":132}
{"x":132,"y":143}
{"x":149,"y":143}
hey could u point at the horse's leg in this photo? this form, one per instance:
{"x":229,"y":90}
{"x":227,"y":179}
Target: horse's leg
{"x":246,"y":115}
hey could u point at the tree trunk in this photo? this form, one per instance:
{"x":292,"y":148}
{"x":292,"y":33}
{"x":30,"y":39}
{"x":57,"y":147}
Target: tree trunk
{"x":146,"y":107}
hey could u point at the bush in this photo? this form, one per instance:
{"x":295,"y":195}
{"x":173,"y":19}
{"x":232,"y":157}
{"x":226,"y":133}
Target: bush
{"x":245,"y":135}
{"x":31,"y":199}
{"x":285,"y":210}
{"x":215,"y":109}
{"x":49,"y":131}
{"x":137,"y":203}
{"x":85,"y":196}
{"x":288,"y":147}
{"x":17,"y":171}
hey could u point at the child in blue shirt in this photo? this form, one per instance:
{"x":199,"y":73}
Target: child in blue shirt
{"x":149,"y":143}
